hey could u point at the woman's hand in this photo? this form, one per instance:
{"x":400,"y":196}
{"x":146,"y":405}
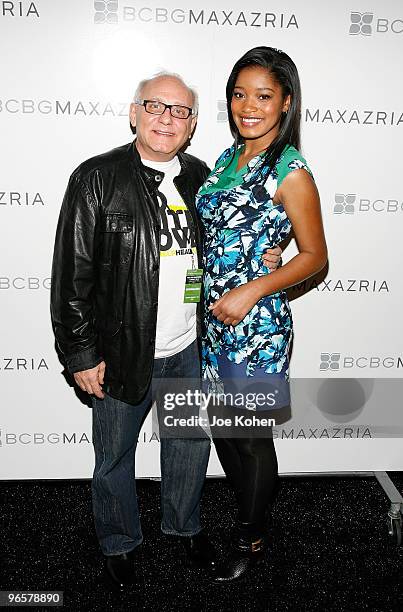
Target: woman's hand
{"x":234,"y":305}
{"x":271,"y":257}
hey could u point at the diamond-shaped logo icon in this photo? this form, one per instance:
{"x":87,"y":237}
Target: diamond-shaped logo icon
{"x":361,"y":23}
{"x":222,"y":114}
{"x":106,"y":11}
{"x":329,"y":361}
{"x":344,"y":203}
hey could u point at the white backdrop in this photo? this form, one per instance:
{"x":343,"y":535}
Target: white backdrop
{"x":67,"y":74}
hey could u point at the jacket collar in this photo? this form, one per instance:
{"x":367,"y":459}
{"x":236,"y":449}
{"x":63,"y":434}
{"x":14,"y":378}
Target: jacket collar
{"x":182,"y":181}
{"x":151,"y":177}
{"x":149,"y":173}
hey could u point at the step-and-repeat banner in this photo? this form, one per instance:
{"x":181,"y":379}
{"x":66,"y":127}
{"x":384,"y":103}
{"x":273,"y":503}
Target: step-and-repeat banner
{"x":68,"y":72}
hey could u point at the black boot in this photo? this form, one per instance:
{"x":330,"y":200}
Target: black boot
{"x":199,"y":550}
{"x":119,"y":570}
{"x":247,"y":550}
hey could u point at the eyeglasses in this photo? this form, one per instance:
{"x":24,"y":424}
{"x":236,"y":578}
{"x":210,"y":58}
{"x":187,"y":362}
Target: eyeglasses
{"x":155,"y":107}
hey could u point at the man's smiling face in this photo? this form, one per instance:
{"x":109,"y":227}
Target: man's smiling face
{"x":159,"y":137}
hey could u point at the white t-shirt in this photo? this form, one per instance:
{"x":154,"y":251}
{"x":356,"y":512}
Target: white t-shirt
{"x":176,"y":321}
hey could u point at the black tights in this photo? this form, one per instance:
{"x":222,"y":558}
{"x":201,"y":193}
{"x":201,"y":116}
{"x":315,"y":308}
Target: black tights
{"x":250,"y":464}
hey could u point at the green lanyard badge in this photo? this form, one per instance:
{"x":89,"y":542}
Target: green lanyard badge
{"x":193,"y":285}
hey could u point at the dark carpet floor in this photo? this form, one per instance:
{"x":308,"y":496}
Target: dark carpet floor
{"x":330,"y":549}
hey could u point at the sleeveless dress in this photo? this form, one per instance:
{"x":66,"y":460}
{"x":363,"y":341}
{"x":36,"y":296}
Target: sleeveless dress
{"x":240,"y":222}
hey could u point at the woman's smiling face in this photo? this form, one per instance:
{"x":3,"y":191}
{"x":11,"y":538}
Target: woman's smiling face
{"x":257,"y":105}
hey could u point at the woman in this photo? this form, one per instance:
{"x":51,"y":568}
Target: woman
{"x":259,"y":190}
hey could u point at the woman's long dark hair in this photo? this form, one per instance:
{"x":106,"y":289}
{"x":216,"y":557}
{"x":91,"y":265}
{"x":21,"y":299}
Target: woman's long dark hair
{"x":285,"y":72}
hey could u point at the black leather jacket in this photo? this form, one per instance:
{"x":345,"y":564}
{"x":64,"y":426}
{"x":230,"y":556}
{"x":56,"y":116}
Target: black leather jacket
{"x":105,"y":272}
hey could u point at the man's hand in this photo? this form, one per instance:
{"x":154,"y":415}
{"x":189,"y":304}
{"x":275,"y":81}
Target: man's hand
{"x":271,"y":257}
{"x":233,"y":306}
{"x":91,"y":380}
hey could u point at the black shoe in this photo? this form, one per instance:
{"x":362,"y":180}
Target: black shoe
{"x":248,"y":551}
{"x":119,"y":569}
{"x":199,"y":550}
{"x":236,"y":567}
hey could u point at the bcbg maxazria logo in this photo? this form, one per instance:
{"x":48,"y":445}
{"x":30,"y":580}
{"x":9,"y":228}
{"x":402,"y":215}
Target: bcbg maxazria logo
{"x":331,"y":362}
{"x":13,"y":438}
{"x":361,"y":23}
{"x":24,"y":283}
{"x":21,"y":198}
{"x":353,"y":116}
{"x":342,"y":285}
{"x":350,"y":203}
{"x":79,"y":108}
{"x":106,"y":11}
{"x":23,"y":364}
{"x":18,"y":9}
{"x":365,"y":24}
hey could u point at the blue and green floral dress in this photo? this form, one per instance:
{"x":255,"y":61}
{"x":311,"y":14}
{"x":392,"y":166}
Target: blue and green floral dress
{"x":240,"y":222}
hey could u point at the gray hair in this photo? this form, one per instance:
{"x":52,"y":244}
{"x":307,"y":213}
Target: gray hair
{"x":172,"y":75}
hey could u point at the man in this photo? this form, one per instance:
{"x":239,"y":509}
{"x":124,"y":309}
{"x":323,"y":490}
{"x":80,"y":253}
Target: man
{"x":120,"y":318}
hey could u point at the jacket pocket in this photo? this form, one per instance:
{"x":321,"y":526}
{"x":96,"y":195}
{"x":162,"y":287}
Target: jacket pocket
{"x":117,"y":238}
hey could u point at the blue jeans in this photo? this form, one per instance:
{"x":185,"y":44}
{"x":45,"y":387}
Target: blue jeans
{"x":116,"y":426}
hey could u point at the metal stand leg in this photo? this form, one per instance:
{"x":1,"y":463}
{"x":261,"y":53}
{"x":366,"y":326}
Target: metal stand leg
{"x":396,"y":506}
